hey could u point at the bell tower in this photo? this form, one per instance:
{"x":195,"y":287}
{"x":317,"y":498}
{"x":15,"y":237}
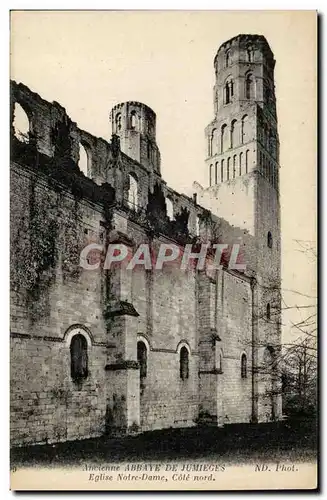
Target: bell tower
{"x":242,"y":165}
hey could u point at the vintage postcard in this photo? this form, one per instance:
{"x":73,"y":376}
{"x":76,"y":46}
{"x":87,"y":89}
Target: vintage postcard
{"x":163,"y":250}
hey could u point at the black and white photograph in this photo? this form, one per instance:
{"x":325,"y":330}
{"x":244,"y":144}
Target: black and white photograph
{"x":163,"y":250}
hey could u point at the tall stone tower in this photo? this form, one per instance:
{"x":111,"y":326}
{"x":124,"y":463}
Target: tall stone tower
{"x":242,"y":163}
{"x":135,"y":124}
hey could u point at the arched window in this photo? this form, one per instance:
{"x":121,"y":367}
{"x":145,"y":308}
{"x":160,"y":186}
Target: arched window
{"x":233,"y":139}
{"x":210,"y":175}
{"x":21,"y":124}
{"x":83,"y":162}
{"x":214,"y":142}
{"x":247,"y":153}
{"x":170,"y":209}
{"x":249,"y":86}
{"x":118,"y":123}
{"x":132,"y":192}
{"x":234,"y":166}
{"x":269,"y":240}
{"x":228,"y":90}
{"x":268,"y":311}
{"x":134,"y":120}
{"x":222,"y":171}
{"x":216,"y":173}
{"x":219,"y":360}
{"x":245,"y":129}
{"x":228,"y":167}
{"x":183,"y":363}
{"x":243,"y":366}
{"x":224,"y":138}
{"x":241,"y":163}
{"x":249,"y":54}
{"x":78,"y":358}
{"x":142,"y":359}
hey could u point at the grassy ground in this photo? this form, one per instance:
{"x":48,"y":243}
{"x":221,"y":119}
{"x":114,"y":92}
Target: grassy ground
{"x":231,"y":444}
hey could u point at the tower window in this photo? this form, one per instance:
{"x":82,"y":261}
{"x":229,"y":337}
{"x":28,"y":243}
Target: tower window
{"x":234,"y":166}
{"x":132,"y":197}
{"x":224,"y":138}
{"x":241,"y":163}
{"x":222,"y":171}
{"x":250,"y":86}
{"x":229,"y":91}
{"x":216,"y":173}
{"x":228,"y":167}
{"x":210,"y":175}
{"x":268,"y":311}
{"x":142,"y":359}
{"x":269,"y":240}
{"x":249,"y":54}
{"x":21,"y":124}
{"x":184,"y":363}
{"x":134,"y":120}
{"x":245,"y":129}
{"x":247,"y":153}
{"x":118,"y":123}
{"x":84,"y":160}
{"x":243,"y":366}
{"x":233,"y":141}
{"x":78,"y":358}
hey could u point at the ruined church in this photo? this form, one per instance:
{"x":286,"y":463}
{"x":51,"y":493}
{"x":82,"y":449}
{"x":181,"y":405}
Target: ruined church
{"x":112,"y":351}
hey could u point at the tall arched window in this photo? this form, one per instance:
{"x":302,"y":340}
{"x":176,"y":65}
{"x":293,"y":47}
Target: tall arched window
{"x":134,"y":120}
{"x":249,"y":86}
{"x":78,"y":358}
{"x":268,"y":311}
{"x":21,"y":124}
{"x":210,"y":175}
{"x":241,"y":163}
{"x":247,"y":153}
{"x":228,"y":167}
{"x":216,"y":173}
{"x":233,"y":138}
{"x":243,"y":366}
{"x":184,"y":363}
{"x":83,"y":162}
{"x":118,"y":123}
{"x":228,"y":91}
{"x":249,"y":54}
{"x":234,"y":166}
{"x":132,"y":192}
{"x":269,"y":240}
{"x":214,"y":142}
{"x":245,"y":129}
{"x":222,"y":171}
{"x":170,"y":209}
{"x":142,"y":359}
{"x":224,"y":138}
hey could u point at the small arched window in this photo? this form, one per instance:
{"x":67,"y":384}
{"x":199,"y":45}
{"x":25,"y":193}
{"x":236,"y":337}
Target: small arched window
{"x":268,"y":311}
{"x":118,"y":123}
{"x":134,"y":120}
{"x":249,"y":54}
{"x":21,"y":124}
{"x":216,"y":173}
{"x":250,"y":87}
{"x":247,"y":153}
{"x":234,"y":166}
{"x":222,"y":171}
{"x":229,"y":91}
{"x":245,"y":129}
{"x":224,"y":138}
{"x":233,"y":141}
{"x":78,"y":358}
{"x":170,"y":209}
{"x":132,"y":192}
{"x":243,"y":366}
{"x":142,"y":359}
{"x":269,"y":240}
{"x":184,"y":363}
{"x":210,"y":175}
{"x":228,"y":167}
{"x":241,"y":163}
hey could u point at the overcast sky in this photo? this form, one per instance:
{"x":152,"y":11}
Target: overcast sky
{"x":89,"y":61}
